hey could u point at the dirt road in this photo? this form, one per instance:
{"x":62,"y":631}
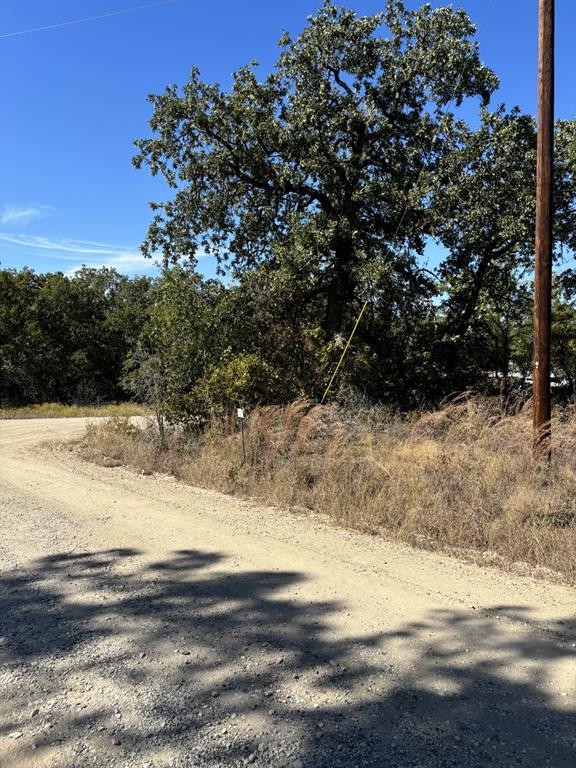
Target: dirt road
{"x":148,"y":624}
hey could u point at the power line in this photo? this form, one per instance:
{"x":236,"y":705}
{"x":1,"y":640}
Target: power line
{"x":86,"y":19}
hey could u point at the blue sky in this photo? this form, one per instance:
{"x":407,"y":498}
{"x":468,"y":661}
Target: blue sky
{"x":74,"y":98}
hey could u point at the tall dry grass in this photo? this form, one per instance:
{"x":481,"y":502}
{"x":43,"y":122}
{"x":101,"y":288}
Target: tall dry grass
{"x":462,"y":478}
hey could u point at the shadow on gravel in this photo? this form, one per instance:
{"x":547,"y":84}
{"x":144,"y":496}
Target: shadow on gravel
{"x":224,"y":669}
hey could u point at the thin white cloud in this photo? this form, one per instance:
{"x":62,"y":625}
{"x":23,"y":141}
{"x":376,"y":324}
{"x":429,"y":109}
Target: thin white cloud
{"x":17,"y":214}
{"x":124,"y":258}
{"x":130,"y":261}
{"x":64,"y":246}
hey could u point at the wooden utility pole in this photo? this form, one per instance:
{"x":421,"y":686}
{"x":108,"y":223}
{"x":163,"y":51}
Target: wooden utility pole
{"x":544,"y":219}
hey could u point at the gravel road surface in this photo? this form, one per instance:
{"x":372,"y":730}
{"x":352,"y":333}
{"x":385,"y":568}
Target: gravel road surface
{"x":148,"y":624}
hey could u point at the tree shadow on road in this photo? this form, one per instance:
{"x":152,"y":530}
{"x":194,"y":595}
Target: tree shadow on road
{"x":128,"y":661}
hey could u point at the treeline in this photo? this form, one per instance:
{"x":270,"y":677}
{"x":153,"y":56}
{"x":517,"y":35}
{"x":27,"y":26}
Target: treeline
{"x":66,"y":339}
{"x":191,"y":347}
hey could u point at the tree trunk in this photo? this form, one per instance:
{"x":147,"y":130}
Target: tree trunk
{"x":340,"y":290}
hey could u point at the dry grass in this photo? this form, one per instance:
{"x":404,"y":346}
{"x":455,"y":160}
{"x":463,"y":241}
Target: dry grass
{"x":461,"y":479}
{"x":59,"y":411}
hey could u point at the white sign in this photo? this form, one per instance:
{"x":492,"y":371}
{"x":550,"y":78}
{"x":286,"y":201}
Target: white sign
{"x":240,"y":413}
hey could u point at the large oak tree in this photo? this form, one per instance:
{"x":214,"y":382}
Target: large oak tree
{"x":336,"y":154}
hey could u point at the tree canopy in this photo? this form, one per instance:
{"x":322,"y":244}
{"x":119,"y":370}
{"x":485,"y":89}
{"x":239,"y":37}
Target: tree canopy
{"x":337,"y":152}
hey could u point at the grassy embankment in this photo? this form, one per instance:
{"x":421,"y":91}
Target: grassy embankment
{"x":58,"y":410}
{"x":461,"y":479}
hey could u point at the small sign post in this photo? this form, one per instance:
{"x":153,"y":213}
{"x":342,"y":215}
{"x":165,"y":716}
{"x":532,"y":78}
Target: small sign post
{"x":240,"y":412}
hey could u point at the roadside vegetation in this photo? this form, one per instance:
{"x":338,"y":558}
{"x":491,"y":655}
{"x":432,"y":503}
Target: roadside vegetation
{"x":59,"y":411}
{"x":461,"y":478}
